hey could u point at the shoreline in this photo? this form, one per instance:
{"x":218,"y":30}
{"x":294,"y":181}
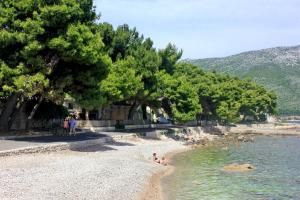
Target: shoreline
{"x":96,"y":172}
{"x":153,"y":189}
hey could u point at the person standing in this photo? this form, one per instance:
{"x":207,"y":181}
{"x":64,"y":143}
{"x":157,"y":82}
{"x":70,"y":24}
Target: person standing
{"x":66,"y":126}
{"x":72,"y":124}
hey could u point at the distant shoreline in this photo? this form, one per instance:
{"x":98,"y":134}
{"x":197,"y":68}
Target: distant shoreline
{"x":266,"y":129}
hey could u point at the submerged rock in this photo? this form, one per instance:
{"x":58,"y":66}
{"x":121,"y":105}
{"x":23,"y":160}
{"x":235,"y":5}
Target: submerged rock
{"x":243,"y":138}
{"x":225,"y":148}
{"x":238,"y":168}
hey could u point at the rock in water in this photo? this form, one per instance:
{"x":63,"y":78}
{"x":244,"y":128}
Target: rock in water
{"x":241,"y":138}
{"x":238,"y":168}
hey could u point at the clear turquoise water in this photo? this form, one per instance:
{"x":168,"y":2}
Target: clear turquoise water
{"x":198,"y":173}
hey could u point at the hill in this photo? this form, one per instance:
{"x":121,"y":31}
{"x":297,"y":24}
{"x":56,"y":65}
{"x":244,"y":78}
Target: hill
{"x":278,"y":69}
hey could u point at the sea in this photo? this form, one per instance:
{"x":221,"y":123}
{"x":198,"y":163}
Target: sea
{"x":198,"y":173}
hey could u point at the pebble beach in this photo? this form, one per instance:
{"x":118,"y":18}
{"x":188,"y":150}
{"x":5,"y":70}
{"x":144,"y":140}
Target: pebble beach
{"x":119,"y":170}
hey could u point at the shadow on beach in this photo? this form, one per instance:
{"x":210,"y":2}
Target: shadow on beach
{"x":94,"y":148}
{"x":68,"y":138}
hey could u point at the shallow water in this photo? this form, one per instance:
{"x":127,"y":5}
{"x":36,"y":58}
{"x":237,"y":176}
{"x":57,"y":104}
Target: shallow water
{"x":198,"y":173}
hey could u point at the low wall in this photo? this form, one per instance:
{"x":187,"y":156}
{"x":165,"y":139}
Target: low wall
{"x":126,"y":127}
{"x":95,"y":123}
{"x":109,"y":123}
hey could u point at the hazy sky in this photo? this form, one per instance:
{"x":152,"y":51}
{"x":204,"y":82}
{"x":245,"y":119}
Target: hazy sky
{"x":209,"y":28}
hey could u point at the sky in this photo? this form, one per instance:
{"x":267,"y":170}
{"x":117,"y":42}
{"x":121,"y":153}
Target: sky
{"x":208,"y":28}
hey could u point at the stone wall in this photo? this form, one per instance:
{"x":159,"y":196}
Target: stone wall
{"x":108,"y":123}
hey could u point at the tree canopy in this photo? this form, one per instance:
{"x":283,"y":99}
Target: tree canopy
{"x":56,"y":47}
{"x":47,"y":49}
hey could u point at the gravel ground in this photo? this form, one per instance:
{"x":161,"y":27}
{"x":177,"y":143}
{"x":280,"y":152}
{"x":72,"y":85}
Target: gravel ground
{"x":114,"y":171}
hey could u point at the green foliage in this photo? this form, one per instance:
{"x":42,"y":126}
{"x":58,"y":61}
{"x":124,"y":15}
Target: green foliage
{"x":170,"y":55}
{"x":226,"y":98}
{"x":184,"y":102}
{"x":228,"y":111}
{"x":277,"y":69}
{"x":49,"y":48}
{"x":52,"y":48}
{"x":31,"y":84}
{"x":122,"y":83}
{"x":125,"y":44}
{"x":180,"y":96}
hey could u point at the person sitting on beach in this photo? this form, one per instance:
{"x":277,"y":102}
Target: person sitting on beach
{"x":163,"y":161}
{"x":154,"y":158}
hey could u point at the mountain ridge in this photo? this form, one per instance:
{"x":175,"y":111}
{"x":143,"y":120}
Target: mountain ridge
{"x":277,"y":68}
{"x":244,"y":52}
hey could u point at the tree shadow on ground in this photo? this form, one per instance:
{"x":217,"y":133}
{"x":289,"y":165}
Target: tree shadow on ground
{"x":117,"y":143}
{"x":92,"y":142}
{"x":68,"y":138}
{"x":94,"y":148}
{"x":107,"y":146}
{"x":138,"y":130}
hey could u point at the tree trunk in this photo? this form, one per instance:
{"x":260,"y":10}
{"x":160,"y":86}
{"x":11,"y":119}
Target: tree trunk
{"x":131,"y":110}
{"x":198,"y":118}
{"x":166,"y":105}
{"x":32,"y":113}
{"x":8,"y":110}
{"x":102,"y":113}
{"x":144,"y":110}
{"x":17,"y":111}
{"x":87,"y":115}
